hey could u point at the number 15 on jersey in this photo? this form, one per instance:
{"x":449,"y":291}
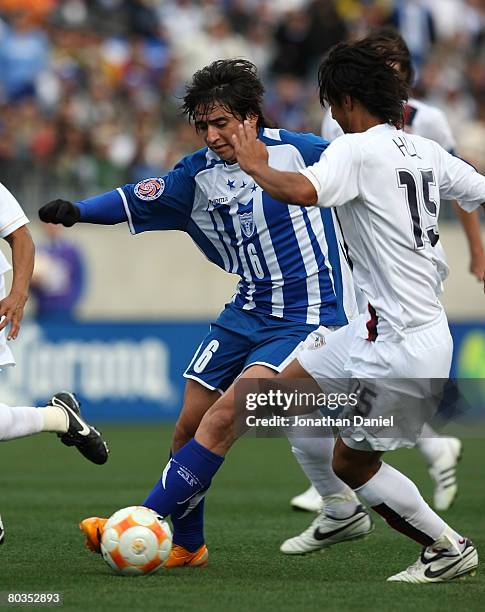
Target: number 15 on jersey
{"x":422,"y":207}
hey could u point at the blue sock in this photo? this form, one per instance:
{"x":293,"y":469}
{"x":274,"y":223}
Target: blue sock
{"x":188,"y":472}
{"x":188,"y":522}
{"x":188,"y":528}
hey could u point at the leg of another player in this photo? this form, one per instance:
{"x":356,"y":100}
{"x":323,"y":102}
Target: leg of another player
{"x":62,"y":416}
{"x":197,"y":401}
{"x":397,"y":499}
{"x":314,"y":455}
{"x":190,"y":471}
{"x":21,"y":421}
{"x":388,"y":492}
{"x":217,"y":431}
{"x":342,"y":517}
{"x":442,"y":454}
{"x":188,"y":523}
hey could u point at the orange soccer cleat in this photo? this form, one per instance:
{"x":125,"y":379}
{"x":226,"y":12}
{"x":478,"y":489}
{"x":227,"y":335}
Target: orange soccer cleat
{"x":93,"y":528}
{"x":181,"y":557}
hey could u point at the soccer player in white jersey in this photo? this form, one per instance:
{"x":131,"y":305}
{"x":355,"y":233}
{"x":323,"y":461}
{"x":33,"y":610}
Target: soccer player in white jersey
{"x":292,"y":277}
{"x":441,"y":453}
{"x":387,"y":186}
{"x":62,"y":414}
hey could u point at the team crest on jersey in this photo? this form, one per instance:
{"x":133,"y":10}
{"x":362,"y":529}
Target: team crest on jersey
{"x":149,"y":189}
{"x":247,"y":223}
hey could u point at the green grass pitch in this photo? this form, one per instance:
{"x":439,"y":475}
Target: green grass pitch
{"x":46,"y":489}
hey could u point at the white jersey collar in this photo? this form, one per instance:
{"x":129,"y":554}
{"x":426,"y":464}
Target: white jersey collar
{"x":382,"y":127}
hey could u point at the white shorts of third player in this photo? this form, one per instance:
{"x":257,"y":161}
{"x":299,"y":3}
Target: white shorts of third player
{"x":414,"y":368}
{"x":6,"y":357}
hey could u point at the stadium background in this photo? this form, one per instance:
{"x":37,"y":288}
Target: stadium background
{"x":89,"y":94}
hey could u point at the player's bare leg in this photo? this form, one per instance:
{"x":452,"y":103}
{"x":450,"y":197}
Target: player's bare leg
{"x":197,"y":401}
{"x":446,"y":553}
{"x":217,"y":431}
{"x":353,"y":466}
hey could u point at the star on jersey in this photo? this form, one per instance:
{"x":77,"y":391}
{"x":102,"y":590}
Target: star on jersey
{"x":254,"y":187}
{"x":243,"y":185}
{"x":230,"y":184}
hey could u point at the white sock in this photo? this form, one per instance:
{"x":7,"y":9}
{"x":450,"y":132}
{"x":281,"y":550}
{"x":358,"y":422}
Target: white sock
{"x":398,"y":501}
{"x":340,"y":505}
{"x":450,"y":540}
{"x":54,"y":419}
{"x":19,"y":421}
{"x":315,"y":458}
{"x":430,"y":444}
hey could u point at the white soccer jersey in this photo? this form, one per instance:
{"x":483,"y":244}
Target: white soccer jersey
{"x":11,"y":214}
{"x":387,"y":185}
{"x":11,"y":218}
{"x":422,"y":120}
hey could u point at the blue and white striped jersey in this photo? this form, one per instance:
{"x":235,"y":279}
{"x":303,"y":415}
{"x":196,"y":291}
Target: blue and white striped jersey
{"x":289,"y":258}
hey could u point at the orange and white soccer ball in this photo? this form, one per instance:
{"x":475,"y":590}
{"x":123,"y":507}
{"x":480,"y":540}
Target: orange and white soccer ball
{"x":136,"y":541}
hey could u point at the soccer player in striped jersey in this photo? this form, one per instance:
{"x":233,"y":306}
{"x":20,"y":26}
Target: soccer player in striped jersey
{"x":387,"y":186}
{"x":292,"y":278}
{"x":441,"y":453}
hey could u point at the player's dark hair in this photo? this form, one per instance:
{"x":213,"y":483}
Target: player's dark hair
{"x":232,"y":83}
{"x":393,"y":46}
{"x":360,"y":71}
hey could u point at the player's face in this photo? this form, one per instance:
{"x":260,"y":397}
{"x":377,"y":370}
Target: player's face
{"x":216,"y":128}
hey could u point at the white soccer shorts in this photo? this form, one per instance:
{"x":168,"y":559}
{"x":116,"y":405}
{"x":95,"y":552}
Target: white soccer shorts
{"x":407,"y":377}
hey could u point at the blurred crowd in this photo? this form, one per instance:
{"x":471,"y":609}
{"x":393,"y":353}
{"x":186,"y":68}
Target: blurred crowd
{"x":90,"y":89}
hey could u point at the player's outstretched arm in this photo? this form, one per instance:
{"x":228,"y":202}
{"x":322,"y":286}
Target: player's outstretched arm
{"x":104,"y":209}
{"x":12,"y":307}
{"x":252,"y":156}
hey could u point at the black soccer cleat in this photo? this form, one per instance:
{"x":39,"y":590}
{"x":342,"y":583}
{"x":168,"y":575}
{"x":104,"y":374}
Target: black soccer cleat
{"x":80,"y":434}
{"x":2,"y":532}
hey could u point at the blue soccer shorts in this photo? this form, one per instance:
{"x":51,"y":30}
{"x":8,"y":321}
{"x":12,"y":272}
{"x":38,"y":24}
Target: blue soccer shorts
{"x":239,"y":339}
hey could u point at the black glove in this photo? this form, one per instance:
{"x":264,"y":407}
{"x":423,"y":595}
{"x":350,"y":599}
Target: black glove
{"x":60,"y":211}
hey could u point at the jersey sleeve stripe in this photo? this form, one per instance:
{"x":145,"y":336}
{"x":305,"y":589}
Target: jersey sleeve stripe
{"x":127,"y":210}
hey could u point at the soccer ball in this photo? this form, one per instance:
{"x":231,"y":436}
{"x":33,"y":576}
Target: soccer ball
{"x":136,"y":541}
